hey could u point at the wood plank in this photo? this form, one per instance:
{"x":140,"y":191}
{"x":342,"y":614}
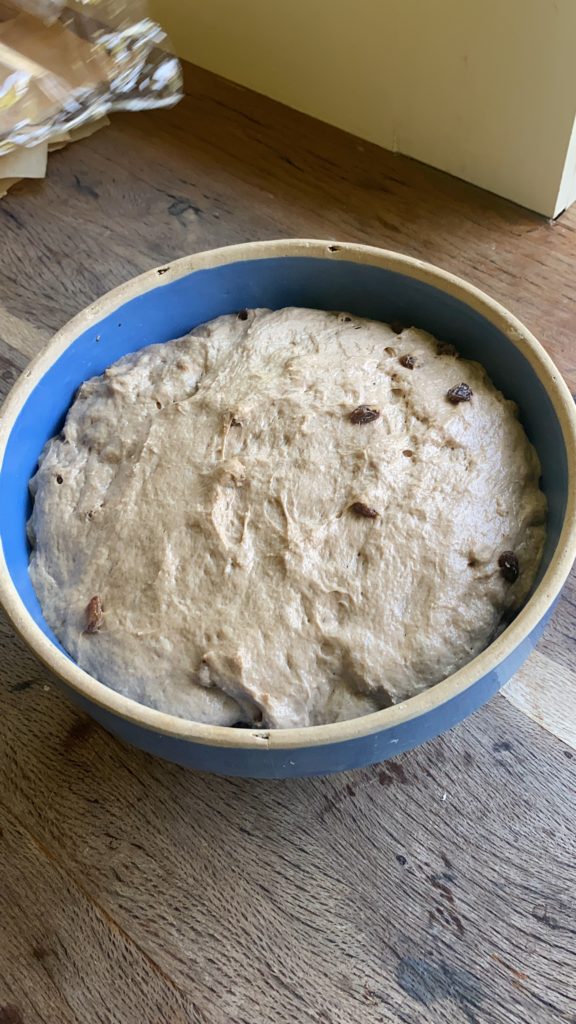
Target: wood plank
{"x":12,"y":362}
{"x":61,"y":958}
{"x":546,"y":691}
{"x":21,"y":336}
{"x":442,"y":884}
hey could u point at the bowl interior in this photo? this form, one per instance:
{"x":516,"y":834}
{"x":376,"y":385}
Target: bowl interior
{"x":170,"y":310}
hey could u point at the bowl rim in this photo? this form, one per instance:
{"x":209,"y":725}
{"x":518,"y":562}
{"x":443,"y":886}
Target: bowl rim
{"x":89,"y":688}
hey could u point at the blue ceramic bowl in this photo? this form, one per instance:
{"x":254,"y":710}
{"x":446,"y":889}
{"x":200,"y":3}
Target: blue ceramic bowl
{"x":166,"y":303}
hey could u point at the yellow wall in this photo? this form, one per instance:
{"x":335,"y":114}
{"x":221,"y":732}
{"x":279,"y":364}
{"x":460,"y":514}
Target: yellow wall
{"x":484,"y":89}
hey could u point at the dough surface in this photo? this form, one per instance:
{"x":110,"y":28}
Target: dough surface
{"x":258,"y":556}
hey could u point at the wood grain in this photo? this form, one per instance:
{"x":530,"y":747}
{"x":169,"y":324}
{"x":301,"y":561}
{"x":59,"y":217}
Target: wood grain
{"x":545,"y":690}
{"x":442,"y":883}
{"x":39,"y":901}
{"x":438,"y":887}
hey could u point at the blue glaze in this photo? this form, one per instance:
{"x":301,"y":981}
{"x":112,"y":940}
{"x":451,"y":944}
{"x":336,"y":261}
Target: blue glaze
{"x":170,"y":310}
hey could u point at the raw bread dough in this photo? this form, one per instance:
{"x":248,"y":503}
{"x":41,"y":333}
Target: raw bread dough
{"x":259,"y":557}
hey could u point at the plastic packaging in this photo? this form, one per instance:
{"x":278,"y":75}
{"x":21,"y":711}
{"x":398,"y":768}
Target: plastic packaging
{"x":62,"y":64}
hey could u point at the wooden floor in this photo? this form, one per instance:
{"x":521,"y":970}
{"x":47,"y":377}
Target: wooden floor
{"x":440,"y":887}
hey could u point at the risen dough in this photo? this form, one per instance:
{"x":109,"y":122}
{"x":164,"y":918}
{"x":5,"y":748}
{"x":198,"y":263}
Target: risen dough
{"x":258,"y":556}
